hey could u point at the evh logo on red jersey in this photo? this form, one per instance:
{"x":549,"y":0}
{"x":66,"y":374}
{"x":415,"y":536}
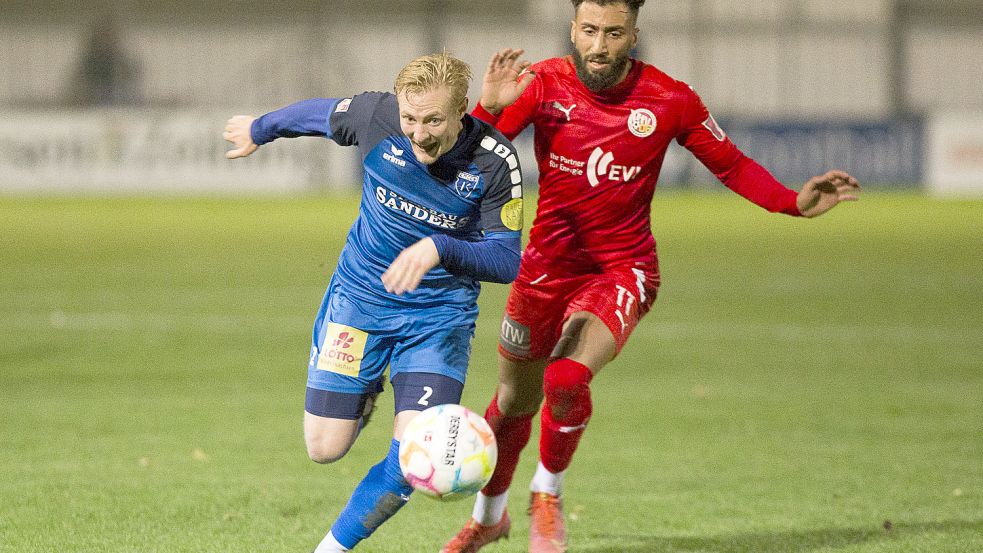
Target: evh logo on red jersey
{"x":601,"y":164}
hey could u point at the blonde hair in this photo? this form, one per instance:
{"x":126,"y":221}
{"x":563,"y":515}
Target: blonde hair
{"x":432,"y":71}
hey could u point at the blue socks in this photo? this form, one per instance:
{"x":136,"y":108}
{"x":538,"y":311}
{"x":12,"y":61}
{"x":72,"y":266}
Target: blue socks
{"x":377,"y":497}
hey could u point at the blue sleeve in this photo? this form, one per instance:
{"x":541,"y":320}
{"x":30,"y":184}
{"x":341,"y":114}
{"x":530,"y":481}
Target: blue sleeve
{"x":495,"y":258}
{"x":305,"y":118}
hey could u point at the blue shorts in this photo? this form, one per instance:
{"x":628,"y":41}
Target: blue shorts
{"x":355,"y":340}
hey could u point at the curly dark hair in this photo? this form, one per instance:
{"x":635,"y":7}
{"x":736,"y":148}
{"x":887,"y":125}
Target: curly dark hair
{"x":633,"y":5}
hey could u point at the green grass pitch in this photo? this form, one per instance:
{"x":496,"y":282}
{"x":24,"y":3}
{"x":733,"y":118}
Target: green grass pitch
{"x":800,"y":386}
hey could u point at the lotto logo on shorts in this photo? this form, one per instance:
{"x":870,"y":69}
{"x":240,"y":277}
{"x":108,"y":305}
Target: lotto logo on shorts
{"x":343,"y":349}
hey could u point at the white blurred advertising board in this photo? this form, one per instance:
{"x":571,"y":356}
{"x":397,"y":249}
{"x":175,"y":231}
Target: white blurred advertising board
{"x":140,"y":152}
{"x":954,"y":164}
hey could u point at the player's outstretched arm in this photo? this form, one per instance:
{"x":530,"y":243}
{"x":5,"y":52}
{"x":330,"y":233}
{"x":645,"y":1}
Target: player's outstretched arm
{"x":237,"y":131}
{"x":407,"y":270}
{"x":822,"y":193}
{"x":502,"y":85}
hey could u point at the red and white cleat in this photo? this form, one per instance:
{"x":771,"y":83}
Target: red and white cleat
{"x":474,"y":536}
{"x":547,"y":534}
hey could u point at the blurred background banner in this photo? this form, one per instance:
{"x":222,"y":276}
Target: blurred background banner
{"x":133,"y":151}
{"x":114,"y":96}
{"x":876,"y":151}
{"x":955,"y":163}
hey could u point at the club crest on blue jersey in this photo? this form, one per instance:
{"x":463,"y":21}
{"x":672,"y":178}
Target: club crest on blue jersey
{"x":466,"y":184}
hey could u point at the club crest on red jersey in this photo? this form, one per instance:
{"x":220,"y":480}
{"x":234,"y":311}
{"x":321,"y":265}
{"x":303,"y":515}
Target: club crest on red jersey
{"x":641,"y":122}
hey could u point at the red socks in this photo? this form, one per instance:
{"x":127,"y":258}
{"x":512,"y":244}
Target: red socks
{"x":511,"y":434}
{"x":564,"y":417}
{"x":565,"y":412}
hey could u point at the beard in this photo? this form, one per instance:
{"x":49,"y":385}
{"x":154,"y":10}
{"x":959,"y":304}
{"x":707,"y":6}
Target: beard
{"x":604,"y":78}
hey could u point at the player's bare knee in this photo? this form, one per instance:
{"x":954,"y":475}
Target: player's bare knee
{"x":326,"y":451}
{"x":328,"y":440}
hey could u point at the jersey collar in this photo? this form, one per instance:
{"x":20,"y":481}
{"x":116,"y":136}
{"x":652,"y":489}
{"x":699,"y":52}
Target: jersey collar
{"x":459,"y":157}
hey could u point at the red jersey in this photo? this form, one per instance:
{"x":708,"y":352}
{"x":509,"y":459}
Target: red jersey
{"x":599,"y":157}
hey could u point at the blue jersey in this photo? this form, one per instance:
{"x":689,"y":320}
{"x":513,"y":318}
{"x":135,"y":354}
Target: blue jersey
{"x":473,"y":193}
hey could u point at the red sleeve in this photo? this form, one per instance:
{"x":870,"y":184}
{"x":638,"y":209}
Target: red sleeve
{"x":480,"y":112}
{"x":701,"y":135}
{"x":517,"y":116}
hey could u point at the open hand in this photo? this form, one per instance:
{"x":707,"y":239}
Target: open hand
{"x":502,"y":84}
{"x":823,"y":193}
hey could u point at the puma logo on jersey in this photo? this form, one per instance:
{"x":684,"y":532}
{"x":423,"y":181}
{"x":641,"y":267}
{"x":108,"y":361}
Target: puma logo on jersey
{"x":566,"y":111}
{"x":600,"y":164}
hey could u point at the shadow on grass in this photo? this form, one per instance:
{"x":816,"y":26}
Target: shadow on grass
{"x":789,"y":542}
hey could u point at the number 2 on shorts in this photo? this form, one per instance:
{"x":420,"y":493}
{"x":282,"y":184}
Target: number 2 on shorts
{"x":427,"y":392}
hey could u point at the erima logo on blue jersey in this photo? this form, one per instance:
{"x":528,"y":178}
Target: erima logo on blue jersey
{"x":391,"y":158}
{"x":396,"y":202}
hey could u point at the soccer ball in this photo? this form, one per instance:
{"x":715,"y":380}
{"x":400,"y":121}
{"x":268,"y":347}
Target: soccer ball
{"x":448,"y":452}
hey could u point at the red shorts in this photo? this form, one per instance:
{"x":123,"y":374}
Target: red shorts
{"x":540,"y":303}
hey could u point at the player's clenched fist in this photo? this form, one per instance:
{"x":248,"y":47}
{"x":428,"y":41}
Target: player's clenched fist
{"x":407,"y":270}
{"x":237,"y":131}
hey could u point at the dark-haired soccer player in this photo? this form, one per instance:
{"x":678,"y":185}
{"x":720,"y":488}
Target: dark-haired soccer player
{"x":602,"y":124}
{"x":441,"y":209}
